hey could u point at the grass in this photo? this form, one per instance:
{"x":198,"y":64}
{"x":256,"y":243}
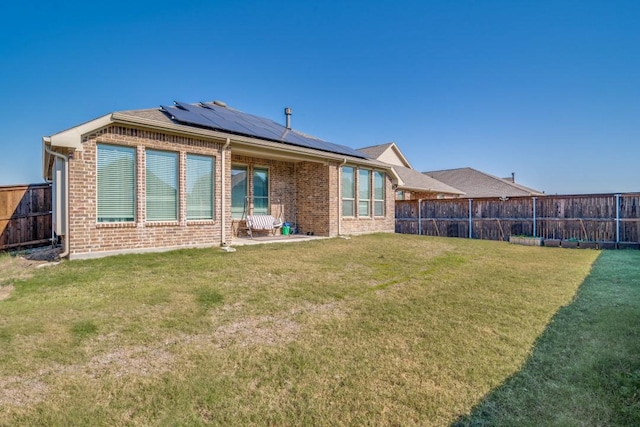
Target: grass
{"x":380,"y":329}
{"x":585,"y":369}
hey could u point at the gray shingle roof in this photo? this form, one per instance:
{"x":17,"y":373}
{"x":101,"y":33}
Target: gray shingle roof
{"x":414,"y":180}
{"x":216,"y":117}
{"x":375,"y":151}
{"x":479,"y":184}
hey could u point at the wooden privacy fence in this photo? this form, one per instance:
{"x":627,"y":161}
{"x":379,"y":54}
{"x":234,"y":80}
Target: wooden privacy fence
{"x":598,"y":217}
{"x":25,"y":216}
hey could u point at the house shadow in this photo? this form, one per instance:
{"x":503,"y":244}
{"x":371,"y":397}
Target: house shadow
{"x":585,"y":367}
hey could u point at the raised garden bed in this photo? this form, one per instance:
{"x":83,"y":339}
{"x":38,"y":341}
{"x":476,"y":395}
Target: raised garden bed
{"x":526,"y":240}
{"x":553,"y":243}
{"x":569,"y":244}
{"x":588,"y":245}
{"x":607,"y":245}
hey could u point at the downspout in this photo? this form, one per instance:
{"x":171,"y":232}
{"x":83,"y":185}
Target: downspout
{"x":223,"y":193}
{"x":65,"y":159}
{"x":344,"y":162}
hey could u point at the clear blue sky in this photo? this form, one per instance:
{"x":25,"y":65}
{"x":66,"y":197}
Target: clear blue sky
{"x":549,"y":90}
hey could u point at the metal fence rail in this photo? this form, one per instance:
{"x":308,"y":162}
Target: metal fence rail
{"x":596,"y":217}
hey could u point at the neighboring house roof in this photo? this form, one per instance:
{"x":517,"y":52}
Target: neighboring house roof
{"x":415,"y":181}
{"x":388,"y":153}
{"x":480,"y":184}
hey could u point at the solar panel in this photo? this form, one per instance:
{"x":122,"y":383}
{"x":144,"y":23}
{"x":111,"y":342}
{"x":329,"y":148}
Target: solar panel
{"x":221,"y":118}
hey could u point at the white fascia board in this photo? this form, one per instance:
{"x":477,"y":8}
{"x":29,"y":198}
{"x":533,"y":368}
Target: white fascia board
{"x":431,"y":190}
{"x":72,"y":138}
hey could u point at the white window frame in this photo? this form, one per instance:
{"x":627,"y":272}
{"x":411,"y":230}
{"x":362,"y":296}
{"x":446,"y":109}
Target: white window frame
{"x":160,"y":198}
{"x":124,"y":184}
{"x":379,"y":202}
{"x":261,"y":211}
{"x":197,"y":207}
{"x":349,"y":200}
{"x":364,"y":185}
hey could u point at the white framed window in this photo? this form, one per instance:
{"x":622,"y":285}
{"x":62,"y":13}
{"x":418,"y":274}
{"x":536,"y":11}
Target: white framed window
{"x":378,"y":193}
{"x":161,"y":185}
{"x":348,"y":191}
{"x":116,"y":183}
{"x":260,"y":190}
{"x":239,"y":185}
{"x":200,"y":187}
{"x":364,"y":192}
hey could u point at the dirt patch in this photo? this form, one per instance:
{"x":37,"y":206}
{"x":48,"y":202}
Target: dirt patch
{"x":5,"y":292}
{"x":18,"y":391}
{"x":20,"y":265}
{"x":141,"y":361}
{"x":281,"y":328}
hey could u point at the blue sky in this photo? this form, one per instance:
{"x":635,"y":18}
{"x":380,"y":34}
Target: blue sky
{"x":549,"y":90}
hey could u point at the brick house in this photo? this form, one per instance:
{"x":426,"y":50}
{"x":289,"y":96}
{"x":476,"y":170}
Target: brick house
{"x":187,"y":175}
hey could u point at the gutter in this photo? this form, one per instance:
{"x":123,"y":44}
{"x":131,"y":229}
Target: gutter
{"x":65,"y":159}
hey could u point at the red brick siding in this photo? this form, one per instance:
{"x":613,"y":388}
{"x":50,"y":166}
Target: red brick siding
{"x":372,"y":224}
{"x":308,"y":191}
{"x":88,"y":237}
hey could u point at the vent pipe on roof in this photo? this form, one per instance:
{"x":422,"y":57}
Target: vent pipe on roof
{"x":513,"y":177}
{"x":287,"y":113}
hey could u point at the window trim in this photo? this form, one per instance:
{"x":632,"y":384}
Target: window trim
{"x":367,"y":199}
{"x":253,"y":189}
{"x":246,"y":188}
{"x":134,"y":182}
{"x":213,"y":186}
{"x":351,"y":200}
{"x":381,"y":201}
{"x":175,"y":155}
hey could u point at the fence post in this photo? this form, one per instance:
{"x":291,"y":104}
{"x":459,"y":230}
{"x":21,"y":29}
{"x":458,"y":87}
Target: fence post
{"x":419,"y":217}
{"x":534,"y":216}
{"x":617,"y":218}
{"x":470,"y":220}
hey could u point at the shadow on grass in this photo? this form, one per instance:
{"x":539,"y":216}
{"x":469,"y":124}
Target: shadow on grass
{"x":585,"y":367}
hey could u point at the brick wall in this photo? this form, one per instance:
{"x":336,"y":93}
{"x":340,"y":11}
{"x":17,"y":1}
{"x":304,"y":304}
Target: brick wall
{"x":316,"y":184}
{"x":90,"y":238}
{"x":372,"y":224}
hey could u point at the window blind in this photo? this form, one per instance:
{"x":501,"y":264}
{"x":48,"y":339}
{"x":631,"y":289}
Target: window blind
{"x":116,"y":183}
{"x":200,"y":194}
{"x":162,"y":185}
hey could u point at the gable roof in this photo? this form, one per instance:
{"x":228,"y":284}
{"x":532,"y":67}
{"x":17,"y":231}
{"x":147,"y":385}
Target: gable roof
{"x":289,"y":145}
{"x":480,"y":184}
{"x":388,"y":153}
{"x":413,"y":180}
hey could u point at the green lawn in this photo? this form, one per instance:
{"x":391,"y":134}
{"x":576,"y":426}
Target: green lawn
{"x":585,"y":369}
{"x":380,"y":330}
